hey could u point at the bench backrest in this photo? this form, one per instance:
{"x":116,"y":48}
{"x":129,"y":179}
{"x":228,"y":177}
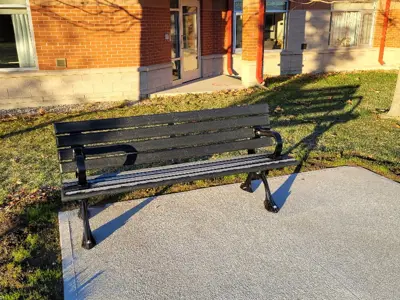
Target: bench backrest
{"x":150,"y":139}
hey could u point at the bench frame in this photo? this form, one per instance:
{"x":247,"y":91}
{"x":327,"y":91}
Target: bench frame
{"x":261,"y":173}
{"x":88,"y":241}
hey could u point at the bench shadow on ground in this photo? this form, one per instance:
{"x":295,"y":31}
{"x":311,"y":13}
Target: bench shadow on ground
{"x":294,"y":104}
{"x":107,"y":229}
{"x":81,"y":289}
{"x":322,"y":108}
{"x":282,"y":193}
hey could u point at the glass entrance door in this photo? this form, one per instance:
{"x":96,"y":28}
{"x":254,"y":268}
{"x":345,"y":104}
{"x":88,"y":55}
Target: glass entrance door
{"x":185,"y":38}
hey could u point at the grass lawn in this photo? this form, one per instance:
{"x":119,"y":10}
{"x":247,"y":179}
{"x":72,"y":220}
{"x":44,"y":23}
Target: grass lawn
{"x":328,"y":120}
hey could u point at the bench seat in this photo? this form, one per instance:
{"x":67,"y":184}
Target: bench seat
{"x":178,"y":147}
{"x":165,"y":175}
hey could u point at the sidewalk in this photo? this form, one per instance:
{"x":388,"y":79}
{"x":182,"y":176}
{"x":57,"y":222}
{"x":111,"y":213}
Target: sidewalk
{"x":336,"y":237}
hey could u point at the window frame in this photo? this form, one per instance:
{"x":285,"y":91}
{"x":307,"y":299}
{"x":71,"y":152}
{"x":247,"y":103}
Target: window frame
{"x":31,"y":31}
{"x":363,"y":12}
{"x":286,"y":18}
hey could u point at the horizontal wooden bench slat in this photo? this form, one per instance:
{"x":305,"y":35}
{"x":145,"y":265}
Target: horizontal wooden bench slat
{"x":169,"y":169}
{"x":162,"y":156}
{"x":137,"y":121}
{"x":175,"y":178}
{"x":157,"y":131}
{"x":188,"y":169}
{"x":169,"y":139}
{"x":161,"y":144}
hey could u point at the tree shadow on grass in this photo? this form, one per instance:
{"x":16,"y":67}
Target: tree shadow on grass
{"x":61,"y":119}
{"x":291,"y":104}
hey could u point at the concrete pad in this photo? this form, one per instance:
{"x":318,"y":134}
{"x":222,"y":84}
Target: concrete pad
{"x":336,"y":237}
{"x":208,"y":85}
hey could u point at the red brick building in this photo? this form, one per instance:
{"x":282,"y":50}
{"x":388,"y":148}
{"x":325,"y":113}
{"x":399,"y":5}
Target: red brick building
{"x":73,"y":51}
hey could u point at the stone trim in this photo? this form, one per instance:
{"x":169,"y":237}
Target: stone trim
{"x":48,"y":88}
{"x":154,"y":67}
{"x":213,"y":56}
{"x":318,"y":61}
{"x":67,"y":72}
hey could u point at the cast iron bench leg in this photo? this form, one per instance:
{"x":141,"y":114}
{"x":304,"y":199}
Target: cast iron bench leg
{"x":80,"y":214}
{"x":269,"y":203}
{"x":88,"y":242}
{"x":246,"y":186}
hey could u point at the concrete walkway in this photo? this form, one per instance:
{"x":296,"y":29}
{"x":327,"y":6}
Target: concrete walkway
{"x":336,"y":237}
{"x":208,"y":85}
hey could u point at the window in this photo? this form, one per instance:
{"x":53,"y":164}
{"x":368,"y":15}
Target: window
{"x":274,"y":24}
{"x":16,"y":48}
{"x":351,"y":24}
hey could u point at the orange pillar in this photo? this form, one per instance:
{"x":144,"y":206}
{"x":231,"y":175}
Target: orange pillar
{"x":252,"y":41}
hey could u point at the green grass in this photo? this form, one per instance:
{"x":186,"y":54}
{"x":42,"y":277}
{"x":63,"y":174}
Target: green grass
{"x":328,"y":120}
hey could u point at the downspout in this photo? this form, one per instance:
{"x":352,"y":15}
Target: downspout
{"x":260,"y":43}
{"x":229,"y":30}
{"x":384,"y":31}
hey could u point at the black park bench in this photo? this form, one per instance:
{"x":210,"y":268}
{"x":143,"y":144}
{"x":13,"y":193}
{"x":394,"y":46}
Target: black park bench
{"x":157,"y":149}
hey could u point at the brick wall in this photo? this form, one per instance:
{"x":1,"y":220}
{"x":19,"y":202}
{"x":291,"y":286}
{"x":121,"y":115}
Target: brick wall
{"x":393,"y":32}
{"x":214,"y":20}
{"x":93,"y":35}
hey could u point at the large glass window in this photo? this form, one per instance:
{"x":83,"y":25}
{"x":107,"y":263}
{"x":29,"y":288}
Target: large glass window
{"x":238,"y":31}
{"x":351,"y":24}
{"x":237,"y":24}
{"x":274,"y":31}
{"x":274,"y":24}
{"x":16,"y":48}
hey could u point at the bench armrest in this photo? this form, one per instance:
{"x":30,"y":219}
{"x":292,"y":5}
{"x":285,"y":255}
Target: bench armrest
{"x":80,"y":173}
{"x":263,"y":131}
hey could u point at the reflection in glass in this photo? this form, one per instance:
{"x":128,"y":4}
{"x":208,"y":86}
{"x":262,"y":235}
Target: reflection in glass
{"x":366,"y":29}
{"x":176,"y":70}
{"x":344,"y":27}
{"x":351,"y":28}
{"x":190,"y":38}
{"x":274,"y":31}
{"x":276,"y":5}
{"x":238,"y":5}
{"x":239,"y":23}
{"x":175,"y":34}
